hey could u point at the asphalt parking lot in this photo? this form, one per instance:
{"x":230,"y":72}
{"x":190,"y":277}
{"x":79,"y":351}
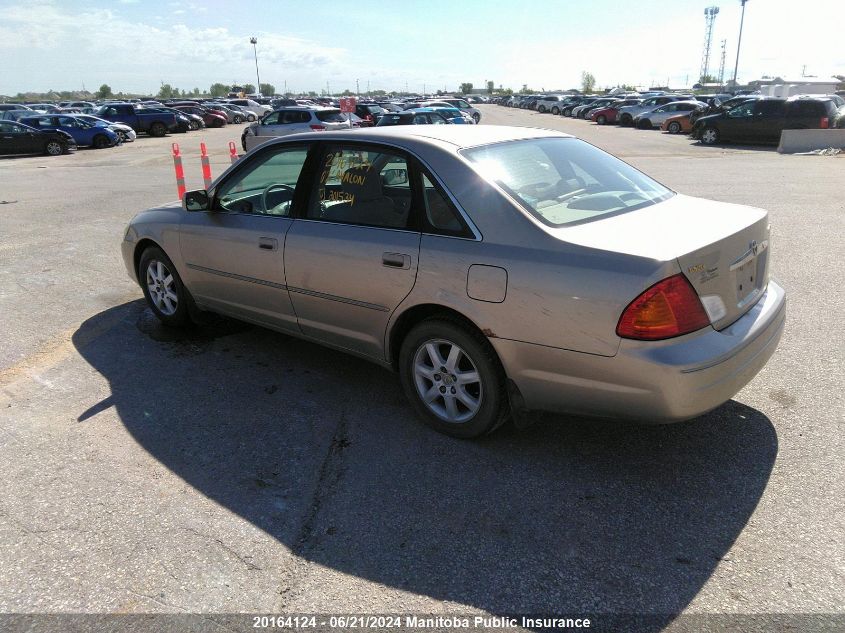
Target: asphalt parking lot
{"x":234,"y":469}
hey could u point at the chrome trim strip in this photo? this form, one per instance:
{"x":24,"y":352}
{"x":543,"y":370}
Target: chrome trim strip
{"x":252,"y":280}
{"x":322,"y":295}
{"x":750,"y":254}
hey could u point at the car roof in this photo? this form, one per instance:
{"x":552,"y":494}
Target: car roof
{"x":460,"y":136}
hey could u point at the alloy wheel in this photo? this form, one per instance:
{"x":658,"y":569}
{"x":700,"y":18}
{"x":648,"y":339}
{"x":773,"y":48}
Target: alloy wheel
{"x":162,"y":288}
{"x":447,"y":381}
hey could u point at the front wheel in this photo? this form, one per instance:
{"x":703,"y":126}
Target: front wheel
{"x":709,"y":136}
{"x":555,"y":110}
{"x":121,"y":136}
{"x":626,"y":120}
{"x":601,"y":119}
{"x":453,"y":379}
{"x":238,"y":119}
{"x":163,"y":288}
{"x":476,"y":117}
{"x":250,"y":118}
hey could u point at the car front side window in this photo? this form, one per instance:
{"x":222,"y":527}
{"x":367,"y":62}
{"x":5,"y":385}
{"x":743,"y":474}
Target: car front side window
{"x":264,"y":186}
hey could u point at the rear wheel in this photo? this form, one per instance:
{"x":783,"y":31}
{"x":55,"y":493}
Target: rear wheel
{"x":674,"y":128}
{"x":709,"y":135}
{"x":53,"y":148}
{"x":195,"y":125}
{"x":625,"y":120}
{"x":163,"y":288}
{"x":645,"y":124}
{"x":121,"y":136}
{"x":476,"y":117}
{"x":453,"y":378}
{"x":237,"y":119}
{"x":158,"y":129}
{"x":541,"y":109}
{"x":250,"y":117}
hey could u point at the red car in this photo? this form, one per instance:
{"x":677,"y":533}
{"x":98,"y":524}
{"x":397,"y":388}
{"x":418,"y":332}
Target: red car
{"x":211,"y":118}
{"x":608,"y":114}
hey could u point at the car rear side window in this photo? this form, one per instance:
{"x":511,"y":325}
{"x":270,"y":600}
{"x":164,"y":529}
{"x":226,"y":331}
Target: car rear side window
{"x":564,"y":180}
{"x":806,"y":108}
{"x":364,"y":186}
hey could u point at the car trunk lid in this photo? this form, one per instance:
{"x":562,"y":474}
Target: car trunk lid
{"x":721,"y":248}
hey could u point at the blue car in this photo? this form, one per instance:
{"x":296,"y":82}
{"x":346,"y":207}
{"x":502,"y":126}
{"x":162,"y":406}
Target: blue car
{"x":453,"y":114}
{"x":83,"y":132}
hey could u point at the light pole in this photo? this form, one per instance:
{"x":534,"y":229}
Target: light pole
{"x":254,"y":42}
{"x":739,"y":41}
{"x":357,"y":88}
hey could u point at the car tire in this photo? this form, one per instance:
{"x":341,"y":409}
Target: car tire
{"x":625,"y":120}
{"x":121,"y":136}
{"x":566,"y":111}
{"x":195,"y":125}
{"x":250,"y":118}
{"x":645,"y":124}
{"x":541,"y":109}
{"x":54,"y":148}
{"x":463,"y":354}
{"x":709,"y":135}
{"x":101,"y":141}
{"x":601,"y":119}
{"x":476,"y":117}
{"x":163,"y":288}
{"x":158,"y":129}
{"x":555,"y":110}
{"x":674,"y":128}
{"x":238,"y":119}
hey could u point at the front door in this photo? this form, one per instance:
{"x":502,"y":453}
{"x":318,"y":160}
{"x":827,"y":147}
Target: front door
{"x":234,"y":253}
{"x":352,"y":257}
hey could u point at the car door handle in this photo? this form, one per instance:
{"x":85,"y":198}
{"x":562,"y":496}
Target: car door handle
{"x":396,"y":260}
{"x":268,"y":243}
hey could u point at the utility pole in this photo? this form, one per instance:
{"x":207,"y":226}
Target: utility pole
{"x":254,"y":42}
{"x":722,"y":65}
{"x":357,"y":88}
{"x":739,"y":40}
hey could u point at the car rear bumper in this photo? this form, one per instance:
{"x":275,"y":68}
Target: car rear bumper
{"x":650,"y":381}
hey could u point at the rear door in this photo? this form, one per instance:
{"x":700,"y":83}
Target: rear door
{"x":351,"y":257}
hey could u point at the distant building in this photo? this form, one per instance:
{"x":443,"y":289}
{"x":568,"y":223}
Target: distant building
{"x":801,"y":86}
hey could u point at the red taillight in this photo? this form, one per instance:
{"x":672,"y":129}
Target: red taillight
{"x":318,"y":128}
{"x":369,"y":118}
{"x":669,"y":308}
{"x":825,"y":123}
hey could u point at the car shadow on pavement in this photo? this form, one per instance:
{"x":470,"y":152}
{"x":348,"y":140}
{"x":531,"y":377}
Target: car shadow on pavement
{"x":320,"y":450}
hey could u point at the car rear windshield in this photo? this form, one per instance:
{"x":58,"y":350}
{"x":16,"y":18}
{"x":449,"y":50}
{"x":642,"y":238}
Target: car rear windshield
{"x":565,"y":180}
{"x":330,"y":116}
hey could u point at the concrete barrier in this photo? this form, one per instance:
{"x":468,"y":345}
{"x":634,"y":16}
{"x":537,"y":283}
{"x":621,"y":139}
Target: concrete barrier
{"x":793,"y":141}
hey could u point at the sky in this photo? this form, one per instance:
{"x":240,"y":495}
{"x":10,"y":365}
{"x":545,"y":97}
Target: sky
{"x":136,"y":45}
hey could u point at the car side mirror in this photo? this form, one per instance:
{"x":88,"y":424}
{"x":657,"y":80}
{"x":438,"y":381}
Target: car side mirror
{"x":394,"y":177}
{"x":197,"y":200}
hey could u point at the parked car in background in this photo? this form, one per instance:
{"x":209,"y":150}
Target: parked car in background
{"x":46,"y":108}
{"x":454,"y":115}
{"x":551,"y":230}
{"x":84,"y":134}
{"x":718,"y":106}
{"x":678,"y":124}
{"x":416,"y":116}
{"x":573,"y":102}
{"x":763,"y":120}
{"x":16,"y":138}
{"x":292,"y":121}
{"x":608,"y":113}
{"x":208,"y":117}
{"x":257,"y":109}
{"x":462,"y":105}
{"x":654,"y":118}
{"x":125,"y":134}
{"x":5,"y":107}
{"x":370,"y":113}
{"x":550,"y":103}
{"x":14,"y":115}
{"x":626,"y":115}
{"x":583,"y":111}
{"x":153,"y":122}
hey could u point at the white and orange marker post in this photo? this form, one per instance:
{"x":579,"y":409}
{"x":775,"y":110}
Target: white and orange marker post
{"x":233,"y":152}
{"x":180,"y":172}
{"x":206,"y":166}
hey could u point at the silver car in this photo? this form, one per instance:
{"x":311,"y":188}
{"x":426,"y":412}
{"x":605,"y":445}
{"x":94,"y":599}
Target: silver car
{"x":626,"y":115}
{"x":292,"y":120}
{"x":499,"y":270}
{"x":654,"y":118}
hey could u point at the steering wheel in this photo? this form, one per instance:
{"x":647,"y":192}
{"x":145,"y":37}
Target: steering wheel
{"x":631,"y":195}
{"x":274,"y":187}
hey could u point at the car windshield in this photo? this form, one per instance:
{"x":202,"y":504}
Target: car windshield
{"x":565,"y":180}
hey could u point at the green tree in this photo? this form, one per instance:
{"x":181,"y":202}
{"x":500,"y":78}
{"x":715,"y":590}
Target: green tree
{"x":248,"y":89}
{"x":708,"y":79}
{"x":104,"y":92}
{"x":196,"y":92}
{"x":490,"y":87}
{"x":167,"y":92}
{"x":588,"y":82}
{"x":219,"y":90}
{"x":466,"y":88}
{"x":267,"y":90}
